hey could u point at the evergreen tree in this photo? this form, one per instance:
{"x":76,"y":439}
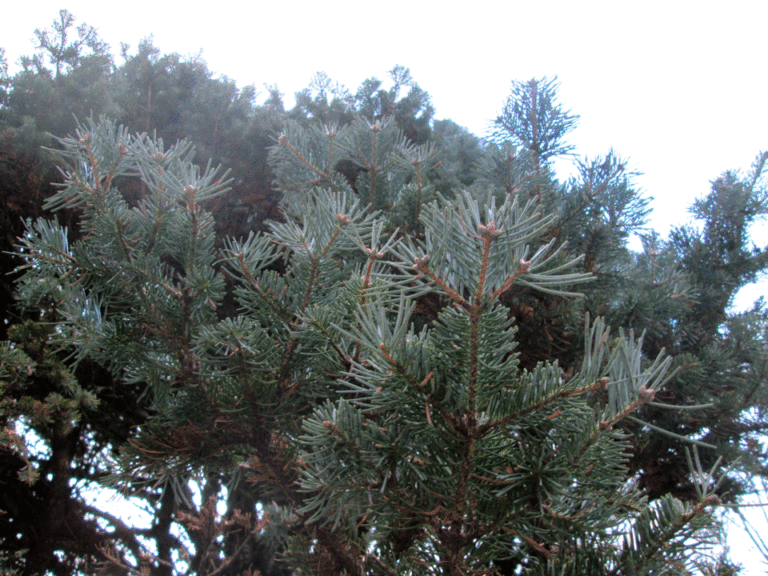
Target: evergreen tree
{"x":181,"y":99}
{"x":677,"y":292}
{"x":326,"y":102}
{"x":5,"y":79}
{"x":65,"y":78}
{"x":533,"y":119}
{"x":62,"y":52}
{"x":369,"y":390}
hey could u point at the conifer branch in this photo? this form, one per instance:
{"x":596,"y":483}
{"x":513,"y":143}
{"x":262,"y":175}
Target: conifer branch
{"x":525,"y":266}
{"x":450,"y":418}
{"x":559,"y":394}
{"x":421,"y":265}
{"x":323,"y":176}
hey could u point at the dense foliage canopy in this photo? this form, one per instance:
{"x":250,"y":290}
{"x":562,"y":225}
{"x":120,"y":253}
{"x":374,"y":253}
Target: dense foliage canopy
{"x":348,"y":338}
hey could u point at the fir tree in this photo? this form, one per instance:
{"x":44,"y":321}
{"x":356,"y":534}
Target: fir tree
{"x":677,"y":292}
{"x":533,"y":120}
{"x":369,"y":395}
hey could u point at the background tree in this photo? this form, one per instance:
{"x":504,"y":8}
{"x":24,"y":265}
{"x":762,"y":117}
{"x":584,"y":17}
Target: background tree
{"x":412,"y":111}
{"x":677,"y":291}
{"x":64,"y":79}
{"x":60,"y":50}
{"x":458,"y":152}
{"x":5,"y":79}
{"x":533,"y":119}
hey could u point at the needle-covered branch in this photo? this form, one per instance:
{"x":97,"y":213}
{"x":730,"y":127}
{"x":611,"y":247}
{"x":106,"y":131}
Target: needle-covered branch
{"x":363,"y":378}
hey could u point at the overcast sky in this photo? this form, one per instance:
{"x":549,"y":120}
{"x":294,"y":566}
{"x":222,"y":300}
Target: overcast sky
{"x":678,"y":87}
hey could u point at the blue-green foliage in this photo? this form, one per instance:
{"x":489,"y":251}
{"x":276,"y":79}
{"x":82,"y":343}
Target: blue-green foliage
{"x":408,"y":438}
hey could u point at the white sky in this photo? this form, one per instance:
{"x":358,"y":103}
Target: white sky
{"x":678,"y":87}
